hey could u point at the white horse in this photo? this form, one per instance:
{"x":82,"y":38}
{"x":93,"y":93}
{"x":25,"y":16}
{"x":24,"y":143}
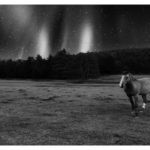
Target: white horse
{"x":134,"y":87}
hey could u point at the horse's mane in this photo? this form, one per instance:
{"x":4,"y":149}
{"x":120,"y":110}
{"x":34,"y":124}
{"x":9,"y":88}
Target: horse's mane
{"x":131,"y":77}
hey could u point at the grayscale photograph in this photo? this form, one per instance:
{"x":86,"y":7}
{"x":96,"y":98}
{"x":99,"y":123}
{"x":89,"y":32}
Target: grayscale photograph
{"x":75,"y":74}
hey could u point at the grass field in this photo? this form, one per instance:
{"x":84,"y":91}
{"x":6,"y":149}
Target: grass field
{"x":96,"y":112}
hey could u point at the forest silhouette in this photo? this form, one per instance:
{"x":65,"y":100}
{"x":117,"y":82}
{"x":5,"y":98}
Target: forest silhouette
{"x":77,"y":66}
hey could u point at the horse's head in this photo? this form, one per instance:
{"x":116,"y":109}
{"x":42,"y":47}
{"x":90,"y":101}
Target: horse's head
{"x":125,"y":78}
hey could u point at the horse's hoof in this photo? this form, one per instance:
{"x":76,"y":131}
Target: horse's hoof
{"x":136,"y":114}
{"x":141,"y":110}
{"x":136,"y":117}
{"x":132,"y":112}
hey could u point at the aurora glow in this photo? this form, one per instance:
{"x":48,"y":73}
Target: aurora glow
{"x":20,"y":55}
{"x":86,"y":38}
{"x":42,"y":46}
{"x":29,"y":30}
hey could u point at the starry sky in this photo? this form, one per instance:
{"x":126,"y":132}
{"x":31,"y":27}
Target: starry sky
{"x":29,"y":30}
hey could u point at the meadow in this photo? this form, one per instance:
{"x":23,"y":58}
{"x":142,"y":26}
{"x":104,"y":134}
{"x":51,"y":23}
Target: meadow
{"x":94,"y":112}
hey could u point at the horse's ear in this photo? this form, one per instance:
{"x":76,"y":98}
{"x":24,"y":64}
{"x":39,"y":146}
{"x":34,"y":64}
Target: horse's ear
{"x":125,"y":72}
{"x":130,"y":74}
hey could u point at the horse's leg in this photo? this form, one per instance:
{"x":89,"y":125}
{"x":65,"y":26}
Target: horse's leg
{"x":132,"y":103}
{"x":144,"y":101}
{"x":136,"y":104}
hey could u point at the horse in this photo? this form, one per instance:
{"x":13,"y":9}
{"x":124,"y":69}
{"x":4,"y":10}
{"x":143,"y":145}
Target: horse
{"x":134,"y":87}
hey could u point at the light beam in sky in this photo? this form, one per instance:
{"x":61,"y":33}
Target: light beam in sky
{"x":20,"y":55}
{"x":86,"y":37}
{"x":43,"y":42}
{"x":65,"y":39}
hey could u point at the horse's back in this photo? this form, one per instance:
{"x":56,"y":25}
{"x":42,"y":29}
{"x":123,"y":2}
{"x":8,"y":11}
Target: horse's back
{"x":145,"y":85}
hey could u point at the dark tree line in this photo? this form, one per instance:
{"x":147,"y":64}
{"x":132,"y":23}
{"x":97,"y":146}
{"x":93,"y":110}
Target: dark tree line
{"x":80,"y":66}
